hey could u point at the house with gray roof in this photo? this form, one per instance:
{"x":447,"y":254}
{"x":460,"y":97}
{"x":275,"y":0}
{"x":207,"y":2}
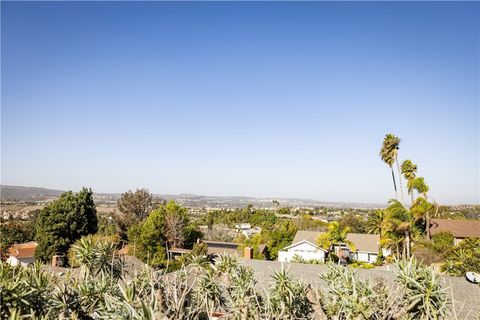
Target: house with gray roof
{"x":366,"y":246}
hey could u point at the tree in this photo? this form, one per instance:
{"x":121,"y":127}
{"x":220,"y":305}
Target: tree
{"x":465,"y":257}
{"x":151,"y":242}
{"x":353,"y":221}
{"x":408,"y":222}
{"x":420,"y":186}
{"x":409,"y":170}
{"x":335,"y":235}
{"x":377,"y":222}
{"x":176,"y":220}
{"x":13,"y":231}
{"x":279,"y":236}
{"x":166,"y":227}
{"x":389,"y":154}
{"x":63,"y":221}
{"x":136,"y":205}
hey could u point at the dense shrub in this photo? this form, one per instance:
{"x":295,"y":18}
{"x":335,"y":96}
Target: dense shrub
{"x":443,"y":242}
{"x":465,"y":257}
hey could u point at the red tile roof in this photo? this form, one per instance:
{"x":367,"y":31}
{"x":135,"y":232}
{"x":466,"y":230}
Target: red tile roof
{"x":23,"y":250}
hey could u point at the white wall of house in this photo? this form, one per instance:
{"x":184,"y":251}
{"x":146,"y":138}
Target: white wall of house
{"x":365,"y":256}
{"x":305,"y":250}
{"x":13,"y":261}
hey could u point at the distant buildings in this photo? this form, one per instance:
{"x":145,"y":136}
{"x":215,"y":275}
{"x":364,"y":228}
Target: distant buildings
{"x":247,"y":230}
{"x":22,"y":254}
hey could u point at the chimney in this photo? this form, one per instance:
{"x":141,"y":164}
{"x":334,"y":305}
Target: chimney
{"x":248,"y":253}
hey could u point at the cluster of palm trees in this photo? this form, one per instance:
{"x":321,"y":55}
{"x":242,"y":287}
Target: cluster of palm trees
{"x":399,"y":223}
{"x":407,"y":170}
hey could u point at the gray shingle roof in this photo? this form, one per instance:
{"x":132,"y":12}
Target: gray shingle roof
{"x":362,"y":242}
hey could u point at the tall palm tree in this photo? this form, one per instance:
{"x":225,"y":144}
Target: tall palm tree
{"x":420,"y":186}
{"x":389,"y":154}
{"x":409,"y":170}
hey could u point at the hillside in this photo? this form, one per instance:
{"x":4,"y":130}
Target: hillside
{"x":18,"y":193}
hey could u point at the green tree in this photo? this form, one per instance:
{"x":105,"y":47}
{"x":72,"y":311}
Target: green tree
{"x":336,"y":234}
{"x":14,"y":231}
{"x":63,"y":221}
{"x":166,"y":227}
{"x":279,"y":236}
{"x":389,"y":155}
{"x":353,"y":221}
{"x":420,"y":186}
{"x":409,"y":170}
{"x":465,"y":257}
{"x":410,"y":222}
{"x":151,"y":242}
{"x":377,"y":222}
{"x":137,"y":205}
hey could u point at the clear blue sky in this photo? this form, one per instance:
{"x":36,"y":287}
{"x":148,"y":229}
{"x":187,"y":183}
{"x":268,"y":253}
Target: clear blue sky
{"x":260,"y":99}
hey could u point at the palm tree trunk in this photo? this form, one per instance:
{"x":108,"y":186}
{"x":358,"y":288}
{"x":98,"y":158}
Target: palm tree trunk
{"x":400,"y":178}
{"x":394,"y":183}
{"x":427,"y":225}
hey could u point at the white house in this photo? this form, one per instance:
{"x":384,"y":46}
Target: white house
{"x":366,"y":246}
{"x":22,"y":254}
{"x":303,"y":249}
{"x":247,"y":230}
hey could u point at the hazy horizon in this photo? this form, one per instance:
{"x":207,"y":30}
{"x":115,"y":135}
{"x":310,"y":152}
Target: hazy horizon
{"x":261,"y":99}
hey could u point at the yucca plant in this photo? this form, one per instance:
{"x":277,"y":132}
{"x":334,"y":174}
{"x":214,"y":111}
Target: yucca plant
{"x":423,"y":294}
{"x":345,"y":296}
{"x":289,"y":297}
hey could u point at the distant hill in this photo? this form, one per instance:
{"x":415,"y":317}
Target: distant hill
{"x":17,"y":193}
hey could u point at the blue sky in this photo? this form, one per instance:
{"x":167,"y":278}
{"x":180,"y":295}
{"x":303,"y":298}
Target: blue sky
{"x":260,"y":99}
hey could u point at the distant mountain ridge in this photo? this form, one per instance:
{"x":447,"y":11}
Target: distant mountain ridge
{"x":21,"y":193}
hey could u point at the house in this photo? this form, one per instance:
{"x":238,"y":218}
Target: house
{"x":22,"y":254}
{"x":220,"y":248}
{"x":366,"y":246}
{"x":176,"y":253}
{"x":247,"y":230}
{"x":460,"y":229}
{"x":303,"y":249}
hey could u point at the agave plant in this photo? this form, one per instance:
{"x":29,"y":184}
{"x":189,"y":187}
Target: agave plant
{"x":289,"y":297}
{"x":345,"y":296}
{"x":425,"y":297}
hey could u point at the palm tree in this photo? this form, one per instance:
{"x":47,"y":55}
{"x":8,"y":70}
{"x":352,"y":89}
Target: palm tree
{"x":337,"y":234}
{"x":420,"y":186}
{"x":402,"y":221}
{"x":389,"y":154}
{"x":409,"y":170}
{"x":377,"y":222}
{"x":421,"y":211}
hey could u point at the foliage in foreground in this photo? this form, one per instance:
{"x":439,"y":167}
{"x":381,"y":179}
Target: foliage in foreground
{"x":200,"y":289}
